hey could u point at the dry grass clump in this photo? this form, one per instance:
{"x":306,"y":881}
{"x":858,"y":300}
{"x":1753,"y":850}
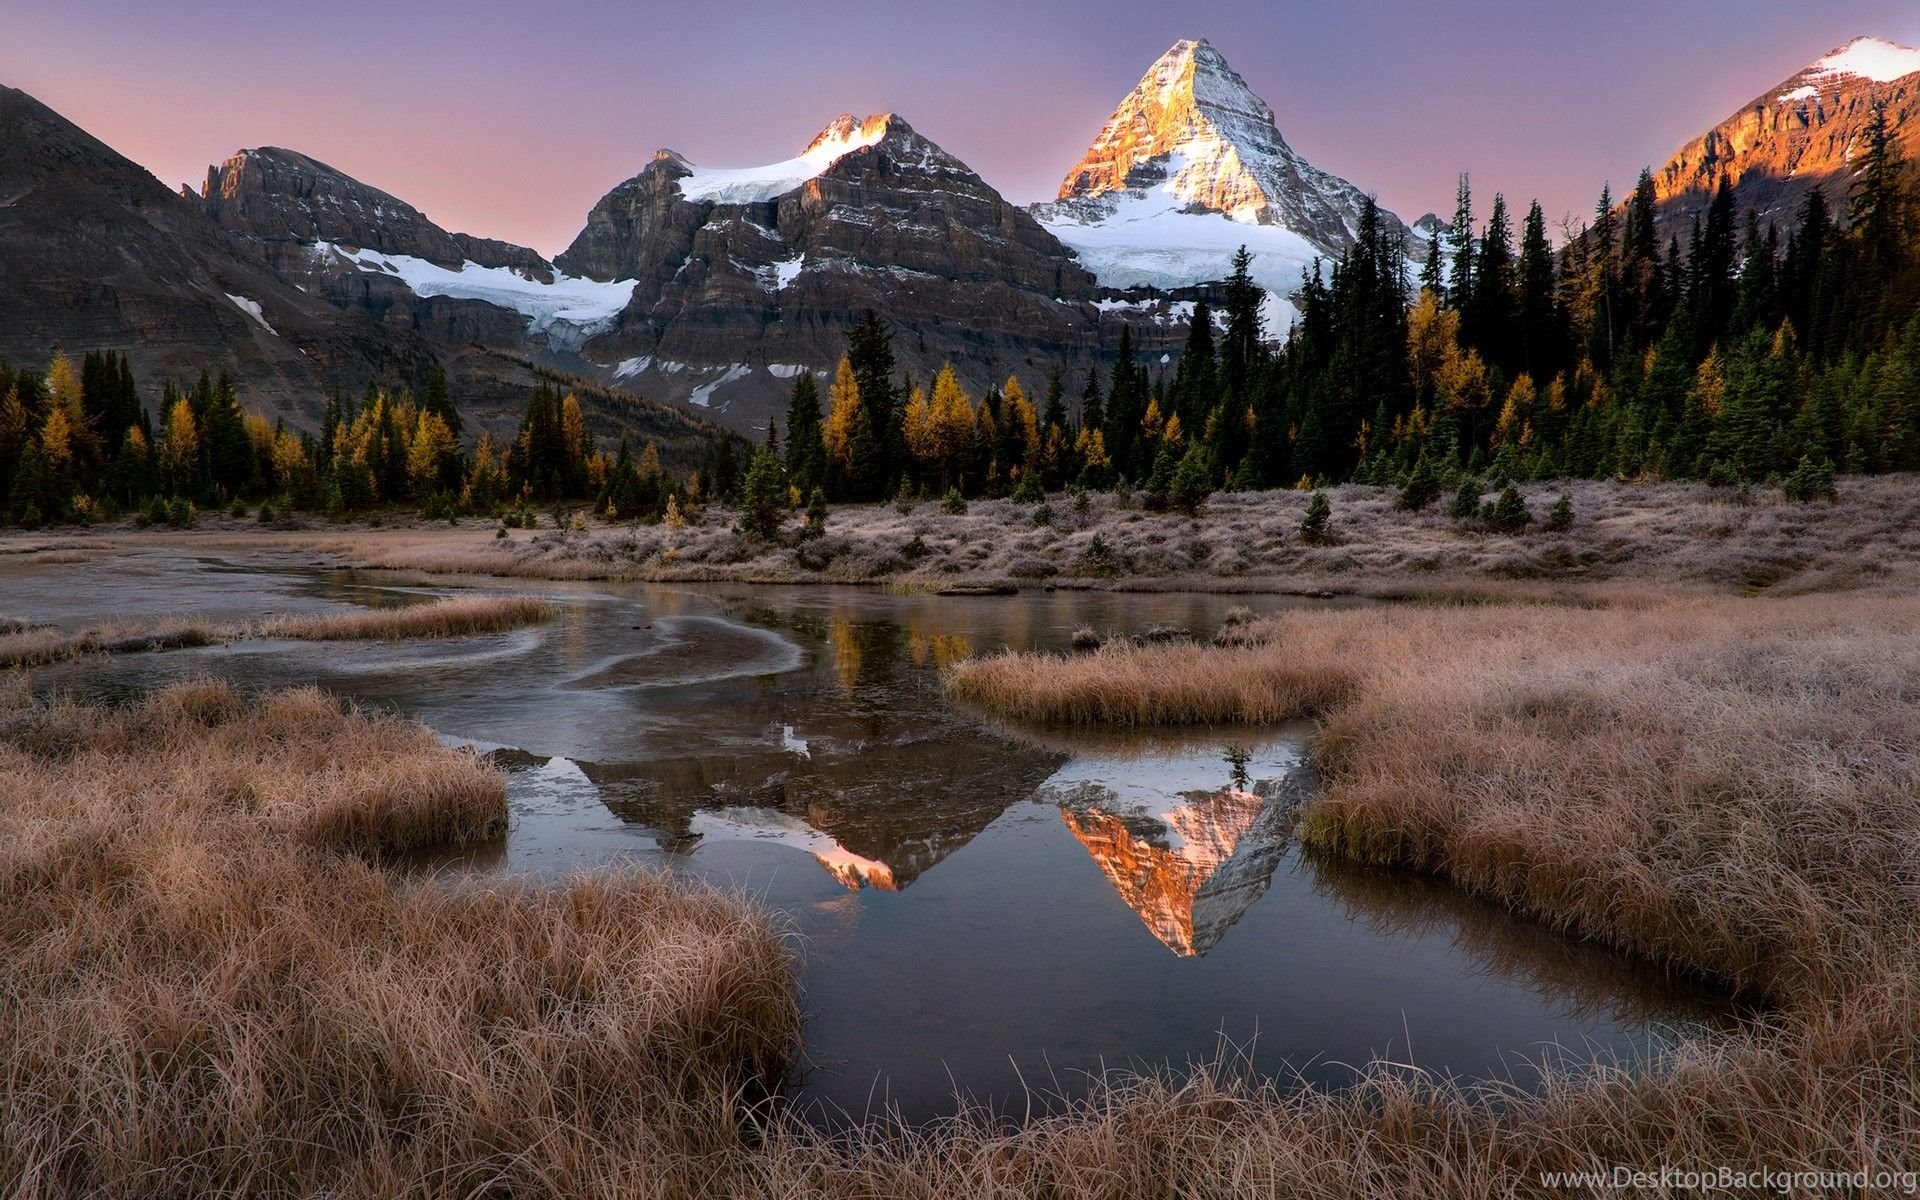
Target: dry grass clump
{"x":34,"y":646}
{"x":1725,"y":787}
{"x":205,"y":995}
{"x":23,"y":645}
{"x":454,"y":616}
{"x":1120,"y":683}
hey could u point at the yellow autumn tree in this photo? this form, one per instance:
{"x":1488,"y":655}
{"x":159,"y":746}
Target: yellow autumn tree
{"x":573,"y":427}
{"x":843,"y":414}
{"x":179,"y":448}
{"x":56,"y":439}
{"x":1091,"y":447}
{"x":1022,"y":432}
{"x":916,"y":429}
{"x":1433,"y":335}
{"x":431,"y":455}
{"x":952,"y":417}
{"x":63,"y":387}
{"x":1515,"y":412}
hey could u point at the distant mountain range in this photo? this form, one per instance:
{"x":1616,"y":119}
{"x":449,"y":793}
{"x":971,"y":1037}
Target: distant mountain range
{"x":713,"y":288}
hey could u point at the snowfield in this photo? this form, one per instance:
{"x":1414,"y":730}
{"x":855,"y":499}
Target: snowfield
{"x":1870,"y":58}
{"x":756,"y":185}
{"x":569,"y":310}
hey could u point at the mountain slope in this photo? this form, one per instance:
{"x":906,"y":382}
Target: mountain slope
{"x":99,"y":255}
{"x":742,"y":278}
{"x":368,"y":251}
{"x":1800,"y":134}
{"x":1190,"y":167}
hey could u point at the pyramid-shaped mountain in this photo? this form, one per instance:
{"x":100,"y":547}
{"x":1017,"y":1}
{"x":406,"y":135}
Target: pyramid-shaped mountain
{"x":1189,"y":168}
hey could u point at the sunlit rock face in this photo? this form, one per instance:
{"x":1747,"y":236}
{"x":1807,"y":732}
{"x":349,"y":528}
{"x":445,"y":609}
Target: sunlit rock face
{"x":745,"y":276}
{"x":1193,"y":871}
{"x":1188,"y":168}
{"x":1806,"y":132}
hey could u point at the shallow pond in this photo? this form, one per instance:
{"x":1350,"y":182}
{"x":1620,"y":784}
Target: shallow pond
{"x":980,"y":909}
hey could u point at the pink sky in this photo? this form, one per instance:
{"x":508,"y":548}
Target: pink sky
{"x":510,"y":120}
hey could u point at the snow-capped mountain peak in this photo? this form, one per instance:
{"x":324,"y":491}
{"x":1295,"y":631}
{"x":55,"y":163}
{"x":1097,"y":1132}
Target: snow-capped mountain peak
{"x":748,"y":185}
{"x":1869,"y":58}
{"x":1189,"y":103}
{"x":1189,"y":168}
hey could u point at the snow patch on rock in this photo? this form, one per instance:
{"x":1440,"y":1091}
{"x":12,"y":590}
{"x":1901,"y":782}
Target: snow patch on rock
{"x":757,"y":185}
{"x":702,"y":396}
{"x":569,"y":311}
{"x":1870,"y":58}
{"x":252,"y":309}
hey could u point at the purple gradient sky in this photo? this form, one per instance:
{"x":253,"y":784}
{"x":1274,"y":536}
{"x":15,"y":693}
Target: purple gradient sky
{"x":510,"y":119}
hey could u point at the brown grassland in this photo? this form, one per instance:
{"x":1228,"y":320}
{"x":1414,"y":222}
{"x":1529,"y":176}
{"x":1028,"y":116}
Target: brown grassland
{"x":214,"y":986}
{"x":1686,"y":729}
{"x":1729,"y":787}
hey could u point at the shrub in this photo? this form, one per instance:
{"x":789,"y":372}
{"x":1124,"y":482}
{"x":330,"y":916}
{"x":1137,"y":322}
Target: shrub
{"x":1098,"y":558}
{"x":1509,"y":513}
{"x":1422,"y":487}
{"x":954,"y":504}
{"x":1466,"y":501}
{"x":904,"y":502}
{"x":1029,"y":491}
{"x":1043,"y":514}
{"x":1560,"y":516}
{"x":1316,"y":526}
{"x":816,"y":515}
{"x":1082,"y":501}
{"x":1085,"y":640}
{"x":1809,"y":481}
{"x":1191,"y":483}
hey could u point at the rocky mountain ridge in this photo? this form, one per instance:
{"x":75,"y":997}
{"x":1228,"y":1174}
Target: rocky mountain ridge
{"x":1802,"y":133}
{"x":1190,"y":167}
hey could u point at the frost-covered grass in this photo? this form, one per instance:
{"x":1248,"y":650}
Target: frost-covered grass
{"x":213,"y":986}
{"x":1659,"y":538}
{"x":24,"y":645}
{"x":453,"y":616}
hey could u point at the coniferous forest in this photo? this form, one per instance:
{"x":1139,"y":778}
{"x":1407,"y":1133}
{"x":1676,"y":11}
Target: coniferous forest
{"x":1738,"y":353}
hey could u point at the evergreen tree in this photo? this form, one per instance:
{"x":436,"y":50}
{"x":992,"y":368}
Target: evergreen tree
{"x":1316,"y":528}
{"x":1461,"y":292}
{"x":806,"y":450}
{"x":763,"y":501}
{"x":1487,"y":319}
{"x":1542,"y":340}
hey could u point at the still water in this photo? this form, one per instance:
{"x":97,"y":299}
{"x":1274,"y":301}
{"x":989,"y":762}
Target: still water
{"x":979,"y":909}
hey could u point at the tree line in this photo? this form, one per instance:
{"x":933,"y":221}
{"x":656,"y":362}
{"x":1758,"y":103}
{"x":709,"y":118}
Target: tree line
{"x":1746,"y":353}
{"x":77,"y":445}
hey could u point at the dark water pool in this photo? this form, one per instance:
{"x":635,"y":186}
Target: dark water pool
{"x":980,"y":909}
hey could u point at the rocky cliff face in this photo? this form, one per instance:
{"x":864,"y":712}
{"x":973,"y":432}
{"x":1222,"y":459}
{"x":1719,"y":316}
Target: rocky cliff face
{"x":1192,"y":873}
{"x":1189,"y":167}
{"x":96,"y":254}
{"x":1801,"y":134}
{"x":324,"y":230}
{"x":743,"y":278}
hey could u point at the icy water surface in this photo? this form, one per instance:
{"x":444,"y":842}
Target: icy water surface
{"x":980,"y":909}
